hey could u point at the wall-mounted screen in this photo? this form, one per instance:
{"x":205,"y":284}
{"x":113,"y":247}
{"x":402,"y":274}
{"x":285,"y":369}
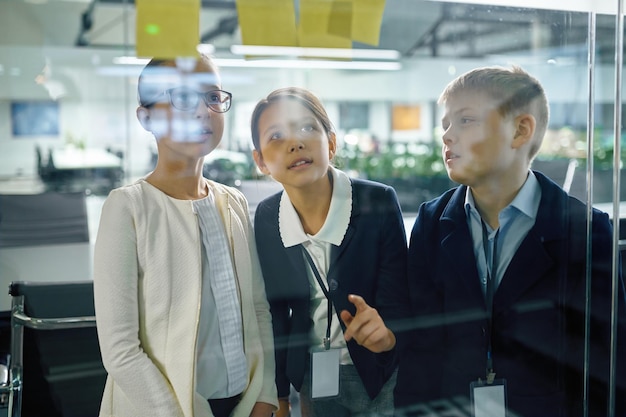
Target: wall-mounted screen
{"x":35,"y":118}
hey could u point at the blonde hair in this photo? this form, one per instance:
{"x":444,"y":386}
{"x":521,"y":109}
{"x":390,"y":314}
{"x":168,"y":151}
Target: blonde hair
{"x":515,"y":90}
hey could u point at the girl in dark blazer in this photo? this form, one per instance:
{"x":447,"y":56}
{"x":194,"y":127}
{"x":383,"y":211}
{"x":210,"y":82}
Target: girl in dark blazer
{"x":351,"y":233}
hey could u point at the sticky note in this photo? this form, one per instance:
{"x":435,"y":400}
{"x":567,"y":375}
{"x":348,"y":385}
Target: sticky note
{"x":316,"y":16}
{"x":167,"y":28}
{"x":267,"y":22}
{"x":367,"y":17}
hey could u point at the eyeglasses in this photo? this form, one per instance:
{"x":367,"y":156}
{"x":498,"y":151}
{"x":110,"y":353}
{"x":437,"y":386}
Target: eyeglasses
{"x":186,"y":99}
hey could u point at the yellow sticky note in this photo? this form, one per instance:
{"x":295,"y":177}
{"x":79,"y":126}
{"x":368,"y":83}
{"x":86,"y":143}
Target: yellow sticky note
{"x":167,"y":28}
{"x":367,"y":16}
{"x":267,"y":22}
{"x":315,"y":18}
{"x":340,"y":20}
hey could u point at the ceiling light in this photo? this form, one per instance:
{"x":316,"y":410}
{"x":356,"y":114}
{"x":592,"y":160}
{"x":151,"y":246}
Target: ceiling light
{"x":293,"y":51}
{"x":130,"y":60}
{"x":310,"y":64}
{"x":282,"y":63}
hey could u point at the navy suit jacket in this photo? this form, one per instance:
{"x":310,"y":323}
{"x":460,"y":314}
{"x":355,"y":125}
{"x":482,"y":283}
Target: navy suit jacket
{"x":538,"y":310}
{"x":371,"y":262}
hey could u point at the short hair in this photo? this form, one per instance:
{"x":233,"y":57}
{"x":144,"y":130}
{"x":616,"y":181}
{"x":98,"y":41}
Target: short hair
{"x":515,"y":90}
{"x":302,"y":96}
{"x":156,"y":71}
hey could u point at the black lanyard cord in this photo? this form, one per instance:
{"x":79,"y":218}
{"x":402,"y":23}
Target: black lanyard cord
{"x":326,"y":294}
{"x":489,"y":292}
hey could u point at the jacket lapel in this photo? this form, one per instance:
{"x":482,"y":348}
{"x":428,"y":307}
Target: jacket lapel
{"x":337,"y":252}
{"x":532,"y":260}
{"x":221,"y":202}
{"x":294,"y":254}
{"x":456,"y":244}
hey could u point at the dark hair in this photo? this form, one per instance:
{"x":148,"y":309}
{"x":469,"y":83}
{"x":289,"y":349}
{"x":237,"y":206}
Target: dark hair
{"x":302,"y":96}
{"x":150,"y":82}
{"x":514,"y":89}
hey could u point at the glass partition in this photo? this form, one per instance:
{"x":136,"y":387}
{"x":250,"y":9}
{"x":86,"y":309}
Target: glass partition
{"x":68,"y":82}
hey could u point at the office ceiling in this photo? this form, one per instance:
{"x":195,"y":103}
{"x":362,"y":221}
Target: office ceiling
{"x":416,"y":28}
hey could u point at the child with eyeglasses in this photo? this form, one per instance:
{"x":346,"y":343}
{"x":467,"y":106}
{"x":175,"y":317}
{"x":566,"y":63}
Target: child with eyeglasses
{"x":332,"y":250}
{"x":182,"y":318}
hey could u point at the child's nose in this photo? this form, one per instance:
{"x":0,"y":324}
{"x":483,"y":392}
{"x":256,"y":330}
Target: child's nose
{"x":447,"y":135}
{"x":296,"y":145}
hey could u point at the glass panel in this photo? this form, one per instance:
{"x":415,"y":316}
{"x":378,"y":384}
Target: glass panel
{"x":68,"y":100}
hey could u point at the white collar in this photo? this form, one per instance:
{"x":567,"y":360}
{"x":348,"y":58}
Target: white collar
{"x":336,"y":224}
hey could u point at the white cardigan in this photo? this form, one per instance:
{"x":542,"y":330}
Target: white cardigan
{"x":147,"y":286}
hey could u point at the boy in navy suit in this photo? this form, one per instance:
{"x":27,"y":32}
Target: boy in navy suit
{"x":497,"y":268}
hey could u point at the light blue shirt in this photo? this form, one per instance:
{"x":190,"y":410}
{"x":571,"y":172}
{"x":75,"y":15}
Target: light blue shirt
{"x":222,"y":368}
{"x":515,"y":220}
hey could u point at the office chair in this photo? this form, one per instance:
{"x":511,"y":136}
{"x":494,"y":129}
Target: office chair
{"x":43,"y":237}
{"x":43,"y":219}
{"x":54,"y":367}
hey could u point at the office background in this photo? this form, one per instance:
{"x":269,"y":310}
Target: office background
{"x":68,"y":99}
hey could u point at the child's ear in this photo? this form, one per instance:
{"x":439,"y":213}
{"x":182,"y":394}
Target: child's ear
{"x":525,"y":125}
{"x":143,"y":115}
{"x":258,"y":159}
{"x":332,"y":145}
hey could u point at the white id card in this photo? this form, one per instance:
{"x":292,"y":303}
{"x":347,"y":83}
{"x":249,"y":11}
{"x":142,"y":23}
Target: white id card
{"x":325,"y":373}
{"x":488,"y":400}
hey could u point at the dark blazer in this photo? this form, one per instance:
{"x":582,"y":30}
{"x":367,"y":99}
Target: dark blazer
{"x":370,"y":261}
{"x":538,"y":310}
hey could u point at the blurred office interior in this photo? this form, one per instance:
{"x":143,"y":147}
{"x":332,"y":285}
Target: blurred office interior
{"x":68,"y":77}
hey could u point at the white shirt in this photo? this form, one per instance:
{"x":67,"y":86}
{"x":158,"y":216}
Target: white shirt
{"x":319,"y":247}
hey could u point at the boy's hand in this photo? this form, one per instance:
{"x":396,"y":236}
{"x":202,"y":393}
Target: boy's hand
{"x":367,"y":328}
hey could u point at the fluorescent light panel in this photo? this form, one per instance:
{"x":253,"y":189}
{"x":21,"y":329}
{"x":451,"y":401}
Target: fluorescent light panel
{"x":130,"y":60}
{"x":309,"y":64}
{"x":283,"y":63}
{"x":292,"y":51}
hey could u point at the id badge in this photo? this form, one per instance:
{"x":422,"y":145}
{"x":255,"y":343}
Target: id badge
{"x":325,"y":373}
{"x":488,"y":400}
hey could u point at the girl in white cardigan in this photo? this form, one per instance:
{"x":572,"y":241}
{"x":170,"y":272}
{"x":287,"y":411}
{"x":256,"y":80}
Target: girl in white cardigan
{"x":183,"y":322}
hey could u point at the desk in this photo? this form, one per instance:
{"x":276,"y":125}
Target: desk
{"x":73,"y":159}
{"x":73,"y":169}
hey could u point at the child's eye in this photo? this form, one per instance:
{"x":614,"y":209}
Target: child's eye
{"x":276,"y":135}
{"x":308,"y":128}
{"x":466,"y":120}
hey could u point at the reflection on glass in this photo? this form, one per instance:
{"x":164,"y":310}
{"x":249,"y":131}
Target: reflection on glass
{"x":388,"y":123}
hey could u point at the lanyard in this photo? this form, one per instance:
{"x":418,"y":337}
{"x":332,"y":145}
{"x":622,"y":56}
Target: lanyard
{"x":326,"y":294}
{"x":491,"y":276}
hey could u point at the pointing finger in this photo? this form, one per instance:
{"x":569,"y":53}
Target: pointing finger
{"x":358,"y":302}
{"x":347,"y":319}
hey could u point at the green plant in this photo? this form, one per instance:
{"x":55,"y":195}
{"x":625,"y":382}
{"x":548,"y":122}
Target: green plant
{"x":399,"y":161}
